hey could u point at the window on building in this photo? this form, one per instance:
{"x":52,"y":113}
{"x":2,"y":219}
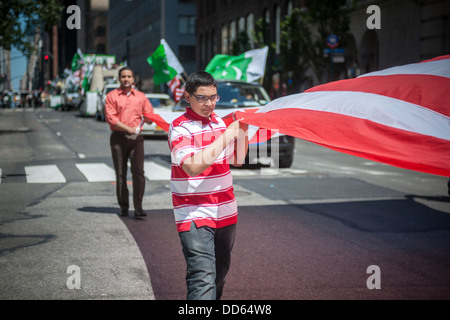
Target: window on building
{"x":241,"y":24}
{"x":289,"y":8}
{"x":224,"y":36}
{"x":250,"y":28}
{"x":232,"y":35}
{"x":100,"y":31}
{"x":100,"y":48}
{"x":186,"y":54}
{"x":277,"y":29}
{"x":186,"y":24}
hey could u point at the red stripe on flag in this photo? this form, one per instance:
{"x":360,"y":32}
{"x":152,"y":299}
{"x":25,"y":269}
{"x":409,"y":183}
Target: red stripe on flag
{"x":424,"y":90}
{"x":437,"y":59}
{"x":360,"y":137}
{"x":156,"y":118}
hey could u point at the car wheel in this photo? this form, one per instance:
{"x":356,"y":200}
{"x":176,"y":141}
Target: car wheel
{"x":287,"y":161}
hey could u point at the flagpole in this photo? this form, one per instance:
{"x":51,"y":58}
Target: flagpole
{"x":185,"y":76}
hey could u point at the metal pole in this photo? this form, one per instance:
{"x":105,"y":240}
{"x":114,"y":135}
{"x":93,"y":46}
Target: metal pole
{"x":163,"y":19}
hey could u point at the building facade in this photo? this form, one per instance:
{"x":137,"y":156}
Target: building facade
{"x":5,"y":70}
{"x":220,"y":21}
{"x":136,"y":28}
{"x":410,"y":31}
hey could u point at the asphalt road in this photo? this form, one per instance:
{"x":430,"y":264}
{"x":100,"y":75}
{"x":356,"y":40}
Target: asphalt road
{"x":313,"y":231}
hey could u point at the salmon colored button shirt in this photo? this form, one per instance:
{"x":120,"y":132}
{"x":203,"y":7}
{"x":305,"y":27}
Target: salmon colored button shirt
{"x":126,"y":108}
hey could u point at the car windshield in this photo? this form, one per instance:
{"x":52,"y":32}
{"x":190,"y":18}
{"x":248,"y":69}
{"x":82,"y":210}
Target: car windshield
{"x":109,"y":89}
{"x":240,"y":95}
{"x":159,"y":102}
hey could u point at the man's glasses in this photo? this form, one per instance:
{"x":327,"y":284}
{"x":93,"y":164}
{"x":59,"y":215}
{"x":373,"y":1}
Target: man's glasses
{"x":204,"y":99}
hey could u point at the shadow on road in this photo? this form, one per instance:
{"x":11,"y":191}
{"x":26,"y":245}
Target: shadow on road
{"x":314,"y":251}
{"x":109,"y":210}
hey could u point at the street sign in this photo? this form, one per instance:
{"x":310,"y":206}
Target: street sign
{"x":336,"y":51}
{"x":332,"y":41}
{"x":336,"y":55}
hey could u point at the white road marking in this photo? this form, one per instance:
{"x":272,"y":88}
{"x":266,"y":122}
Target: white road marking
{"x":97,"y":172}
{"x":101,"y":172}
{"x":354,"y":170}
{"x":44,"y":174}
{"x":154,"y":171}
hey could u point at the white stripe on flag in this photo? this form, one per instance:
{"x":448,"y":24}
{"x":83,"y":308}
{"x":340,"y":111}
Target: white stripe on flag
{"x":44,"y":174}
{"x":380,"y":109}
{"x":97,"y":172}
{"x":439,"y":68}
{"x":154,"y":171}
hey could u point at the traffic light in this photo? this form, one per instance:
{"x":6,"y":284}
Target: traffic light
{"x":46,"y":57}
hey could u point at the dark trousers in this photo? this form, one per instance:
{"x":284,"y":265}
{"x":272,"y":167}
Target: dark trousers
{"x":208,"y":257}
{"x":123,"y":147}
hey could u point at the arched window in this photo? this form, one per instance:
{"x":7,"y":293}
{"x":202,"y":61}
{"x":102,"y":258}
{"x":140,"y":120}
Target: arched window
{"x":277,"y":29}
{"x":251,"y":28}
{"x":289,"y":8}
{"x":232,"y":35}
{"x":369,"y":51}
{"x":224,"y":36}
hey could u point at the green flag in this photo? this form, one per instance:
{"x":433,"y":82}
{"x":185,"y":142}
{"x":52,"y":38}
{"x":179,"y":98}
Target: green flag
{"x":228,"y":67}
{"x":77,"y":60}
{"x":88,"y":76}
{"x":248,"y":66}
{"x":165,"y":64}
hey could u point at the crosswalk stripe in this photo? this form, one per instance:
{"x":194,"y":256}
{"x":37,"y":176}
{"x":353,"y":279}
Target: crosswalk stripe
{"x":101,"y":172}
{"x":44,"y":174}
{"x":97,"y":172}
{"x":154,"y":171}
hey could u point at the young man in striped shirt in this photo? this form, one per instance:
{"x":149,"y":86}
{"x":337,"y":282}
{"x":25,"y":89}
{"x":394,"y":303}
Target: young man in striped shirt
{"x":202,"y":149}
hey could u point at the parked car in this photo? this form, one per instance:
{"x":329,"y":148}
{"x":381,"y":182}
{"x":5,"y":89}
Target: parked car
{"x":160,"y":103}
{"x":239,"y":94}
{"x":71,"y":98}
{"x":100,"y":113}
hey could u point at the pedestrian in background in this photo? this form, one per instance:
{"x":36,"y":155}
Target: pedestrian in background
{"x":202,"y":149}
{"x":124,"y":111}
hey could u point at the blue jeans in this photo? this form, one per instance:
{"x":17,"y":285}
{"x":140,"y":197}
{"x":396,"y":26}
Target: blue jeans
{"x":208,"y":256}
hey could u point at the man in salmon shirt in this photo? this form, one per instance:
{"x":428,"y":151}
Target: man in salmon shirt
{"x":124,"y":112}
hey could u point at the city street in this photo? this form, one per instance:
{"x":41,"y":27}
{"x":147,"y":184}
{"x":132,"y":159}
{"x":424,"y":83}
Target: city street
{"x":317,"y":230}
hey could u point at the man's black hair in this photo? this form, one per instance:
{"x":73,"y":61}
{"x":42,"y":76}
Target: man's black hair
{"x":199,"y":79}
{"x":126,"y":68}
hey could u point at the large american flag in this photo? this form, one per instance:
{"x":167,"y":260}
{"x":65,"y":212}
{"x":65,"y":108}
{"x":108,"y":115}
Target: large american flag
{"x":399,"y":116}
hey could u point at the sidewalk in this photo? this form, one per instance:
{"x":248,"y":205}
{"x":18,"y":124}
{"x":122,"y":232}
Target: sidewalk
{"x":71,"y":237}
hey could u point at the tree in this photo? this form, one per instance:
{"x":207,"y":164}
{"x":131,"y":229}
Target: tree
{"x":261,"y":34}
{"x":260,"y":39}
{"x":19,"y":18}
{"x":304,"y":34}
{"x":241,"y":44}
{"x":296,"y":47}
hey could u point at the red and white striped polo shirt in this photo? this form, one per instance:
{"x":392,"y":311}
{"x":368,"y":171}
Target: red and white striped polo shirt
{"x":206,"y":199}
